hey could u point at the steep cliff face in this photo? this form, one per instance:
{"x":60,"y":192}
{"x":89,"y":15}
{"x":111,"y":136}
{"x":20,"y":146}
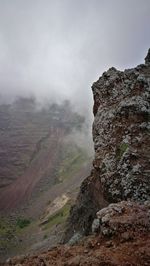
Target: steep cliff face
{"x":121,"y":141}
{"x":120,"y":133}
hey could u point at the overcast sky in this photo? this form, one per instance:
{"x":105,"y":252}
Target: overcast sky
{"x":58,"y":48}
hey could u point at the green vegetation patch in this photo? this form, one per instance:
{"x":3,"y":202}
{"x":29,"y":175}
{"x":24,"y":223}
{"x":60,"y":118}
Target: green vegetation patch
{"x":59,"y":217}
{"x":121,"y":150}
{"x":6,"y":233}
{"x":21,"y":222}
{"x":45,"y":236}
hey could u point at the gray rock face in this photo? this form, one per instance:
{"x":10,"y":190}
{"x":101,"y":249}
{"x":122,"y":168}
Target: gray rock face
{"x":121,"y":133}
{"x":122,"y":148}
{"x":95,"y":226}
{"x":75,"y":239}
{"x":125,"y":219}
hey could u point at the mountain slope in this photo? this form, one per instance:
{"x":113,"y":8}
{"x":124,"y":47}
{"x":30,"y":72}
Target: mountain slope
{"x":41,"y":161}
{"x":31,"y":142}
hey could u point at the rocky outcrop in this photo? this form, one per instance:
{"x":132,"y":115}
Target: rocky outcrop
{"x":121,"y":141}
{"x":120,"y":133}
{"x":126,"y":219}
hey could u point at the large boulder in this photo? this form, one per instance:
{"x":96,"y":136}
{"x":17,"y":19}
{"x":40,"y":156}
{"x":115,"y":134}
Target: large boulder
{"x":125,"y":219}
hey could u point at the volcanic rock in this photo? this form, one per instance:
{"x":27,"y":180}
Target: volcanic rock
{"x":122,"y":148}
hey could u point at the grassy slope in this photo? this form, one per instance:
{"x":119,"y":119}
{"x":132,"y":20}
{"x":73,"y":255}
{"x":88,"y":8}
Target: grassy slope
{"x":58,"y":218}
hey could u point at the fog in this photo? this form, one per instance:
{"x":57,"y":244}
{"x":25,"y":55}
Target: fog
{"x":55,"y":49}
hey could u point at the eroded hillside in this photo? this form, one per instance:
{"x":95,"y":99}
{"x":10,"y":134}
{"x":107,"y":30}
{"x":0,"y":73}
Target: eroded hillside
{"x":32,"y":143}
{"x":41,"y":163}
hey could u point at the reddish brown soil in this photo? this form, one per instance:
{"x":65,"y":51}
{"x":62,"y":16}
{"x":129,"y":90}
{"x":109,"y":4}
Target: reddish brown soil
{"x":93,"y":251}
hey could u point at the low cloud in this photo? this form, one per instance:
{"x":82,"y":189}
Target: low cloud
{"x":56,"y":49}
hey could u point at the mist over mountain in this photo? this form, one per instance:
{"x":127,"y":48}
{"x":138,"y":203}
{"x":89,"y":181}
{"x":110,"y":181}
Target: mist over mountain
{"x":55,"y":49}
{"x":25,"y":129}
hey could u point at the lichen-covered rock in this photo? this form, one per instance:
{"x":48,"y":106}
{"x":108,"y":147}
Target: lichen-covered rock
{"x":122,"y":148}
{"x":121,"y":133}
{"x":122,"y":217}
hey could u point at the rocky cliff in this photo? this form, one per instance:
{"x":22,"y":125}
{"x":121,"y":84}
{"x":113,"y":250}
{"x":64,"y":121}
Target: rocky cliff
{"x":121,"y":141}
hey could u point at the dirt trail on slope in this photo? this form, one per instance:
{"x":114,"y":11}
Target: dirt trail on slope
{"x":20,"y":191}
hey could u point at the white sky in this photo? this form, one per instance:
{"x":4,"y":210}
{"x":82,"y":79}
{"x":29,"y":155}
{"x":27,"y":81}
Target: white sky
{"x":58,"y":48}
